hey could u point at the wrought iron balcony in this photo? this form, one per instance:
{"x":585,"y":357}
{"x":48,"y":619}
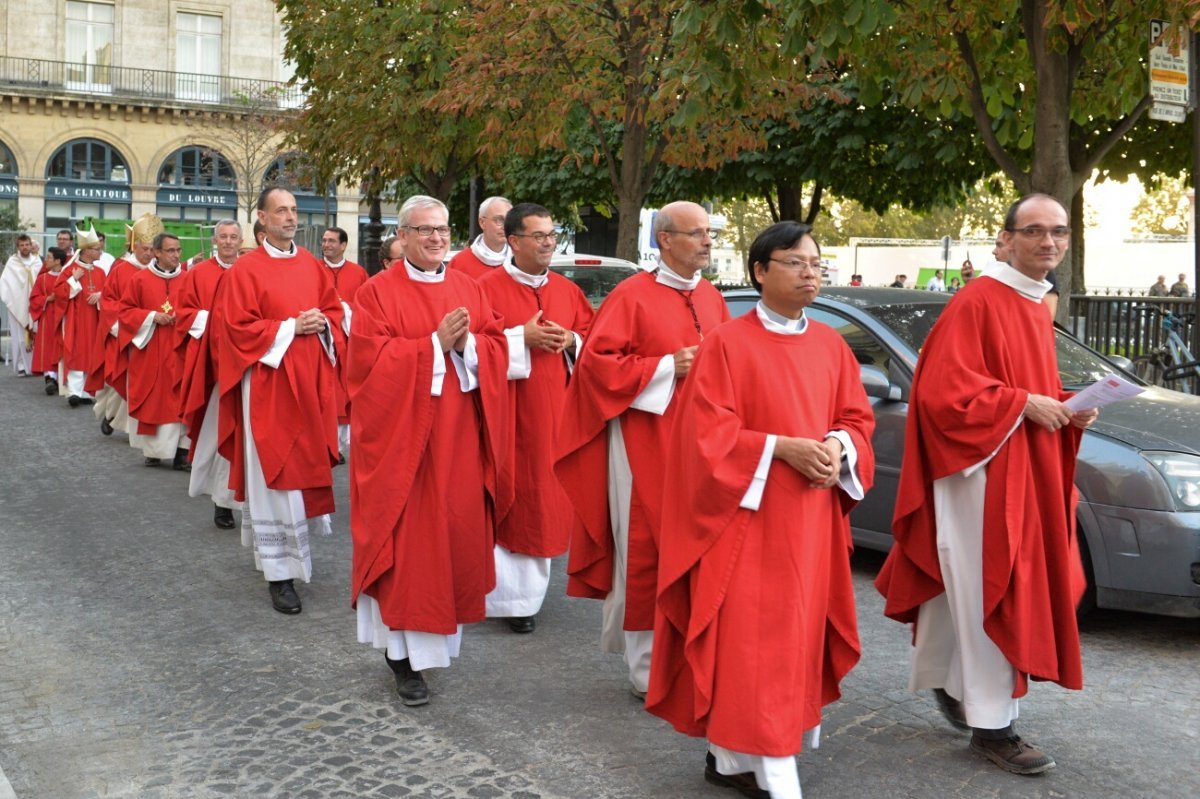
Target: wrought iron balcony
{"x":96,"y":81}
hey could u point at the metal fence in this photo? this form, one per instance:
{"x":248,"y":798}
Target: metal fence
{"x":99,"y":80}
{"x":1120,"y":326}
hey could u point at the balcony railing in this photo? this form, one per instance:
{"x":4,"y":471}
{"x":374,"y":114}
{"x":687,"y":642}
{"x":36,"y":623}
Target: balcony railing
{"x":98,"y":81}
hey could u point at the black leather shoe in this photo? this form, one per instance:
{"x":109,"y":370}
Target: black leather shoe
{"x":952,"y":710}
{"x":522,"y":624}
{"x":180,"y":464}
{"x":74,"y":401}
{"x":223,"y":517}
{"x":743,"y":783}
{"x":106,"y":427}
{"x":152,"y":461}
{"x":51,"y":386}
{"x":284,"y":597}
{"x":410,"y":685}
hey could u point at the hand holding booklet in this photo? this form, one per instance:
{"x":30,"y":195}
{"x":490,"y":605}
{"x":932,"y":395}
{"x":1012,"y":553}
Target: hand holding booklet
{"x":1108,"y":389}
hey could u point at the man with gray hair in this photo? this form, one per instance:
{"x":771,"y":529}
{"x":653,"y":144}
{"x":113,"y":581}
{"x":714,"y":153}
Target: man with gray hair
{"x":427,"y":371}
{"x":490,"y":248}
{"x":198,"y":395}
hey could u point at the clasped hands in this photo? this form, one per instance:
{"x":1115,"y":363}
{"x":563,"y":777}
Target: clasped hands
{"x":819,"y":461}
{"x":1053,"y":415}
{"x":453,"y":330}
{"x":542,"y":334}
{"x":310,"y":322}
{"x":161,"y":318}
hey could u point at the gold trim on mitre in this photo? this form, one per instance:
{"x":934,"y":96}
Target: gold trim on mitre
{"x":143,"y":230}
{"x":85,"y":239}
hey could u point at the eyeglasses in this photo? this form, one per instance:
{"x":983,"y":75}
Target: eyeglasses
{"x":539,"y":237}
{"x":698,"y":234}
{"x":496,"y":220}
{"x":425,"y":231}
{"x":796,"y":265}
{"x":1037,"y":232}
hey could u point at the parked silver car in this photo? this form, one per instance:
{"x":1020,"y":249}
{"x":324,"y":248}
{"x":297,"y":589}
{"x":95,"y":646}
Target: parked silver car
{"x":1139,"y":464}
{"x":597,"y":275}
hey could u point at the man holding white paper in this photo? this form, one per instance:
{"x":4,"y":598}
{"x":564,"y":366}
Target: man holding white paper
{"x":986,"y":563}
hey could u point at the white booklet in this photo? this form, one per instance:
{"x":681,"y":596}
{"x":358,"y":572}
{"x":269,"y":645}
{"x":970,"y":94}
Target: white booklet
{"x":1104,"y":391}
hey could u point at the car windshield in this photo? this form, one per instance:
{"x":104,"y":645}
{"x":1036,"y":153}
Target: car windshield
{"x":596,"y":281}
{"x":1078,"y":366}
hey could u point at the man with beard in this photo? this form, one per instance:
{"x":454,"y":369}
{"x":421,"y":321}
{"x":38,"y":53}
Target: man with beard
{"x":280,"y":335}
{"x":490,"y":248}
{"x":16,"y":284}
{"x":196,"y":349}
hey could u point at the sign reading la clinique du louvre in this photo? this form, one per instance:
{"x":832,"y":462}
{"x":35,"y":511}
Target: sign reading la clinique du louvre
{"x":197,"y":199}
{"x":89,"y":191}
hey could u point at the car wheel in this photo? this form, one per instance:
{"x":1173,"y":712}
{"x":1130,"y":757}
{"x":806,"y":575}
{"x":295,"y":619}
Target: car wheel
{"x":1087,"y":603}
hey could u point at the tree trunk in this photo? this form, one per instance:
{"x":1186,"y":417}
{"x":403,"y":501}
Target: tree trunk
{"x":629,"y":213}
{"x":1077,"y":243}
{"x":790,"y":201}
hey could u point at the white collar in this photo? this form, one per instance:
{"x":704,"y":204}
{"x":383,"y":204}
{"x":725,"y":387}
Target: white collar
{"x":421,"y":276}
{"x":489,"y":256}
{"x":778,"y":323}
{"x":524,"y":278}
{"x":672,"y":279}
{"x":166,"y":275}
{"x":1027,"y":287}
{"x":338,"y":265}
{"x":221,"y":263}
{"x":131,"y":258}
{"x":275,"y":252}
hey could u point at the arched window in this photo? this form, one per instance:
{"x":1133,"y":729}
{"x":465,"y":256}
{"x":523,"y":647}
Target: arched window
{"x":8,"y":185}
{"x":8,"y":164}
{"x":199,"y":167}
{"x":89,"y":160}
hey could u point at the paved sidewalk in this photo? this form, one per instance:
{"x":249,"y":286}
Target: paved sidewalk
{"x":140,"y":657}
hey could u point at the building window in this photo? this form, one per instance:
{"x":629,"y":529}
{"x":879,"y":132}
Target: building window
{"x":8,"y":188}
{"x":198,"y":57}
{"x":89,"y":45}
{"x":197,"y":166}
{"x":88,"y":160}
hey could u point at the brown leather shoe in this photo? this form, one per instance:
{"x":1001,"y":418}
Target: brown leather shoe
{"x":1012,"y":754}
{"x":952,"y":710}
{"x":743,"y":783}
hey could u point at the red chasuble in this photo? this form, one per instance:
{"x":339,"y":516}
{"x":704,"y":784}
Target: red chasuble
{"x":292,"y":410}
{"x":347,"y":279}
{"x":540,"y":519}
{"x":195,"y":291}
{"x":755,"y":624}
{"x":153,"y":386}
{"x":640,"y":322}
{"x":424,"y":471}
{"x":46,"y":310}
{"x":989,"y":350}
{"x":81,"y":352}
{"x":114,"y":368}
{"x":467,"y":262}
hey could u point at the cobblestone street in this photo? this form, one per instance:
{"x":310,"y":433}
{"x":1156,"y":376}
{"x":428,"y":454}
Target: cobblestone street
{"x":140,"y":657}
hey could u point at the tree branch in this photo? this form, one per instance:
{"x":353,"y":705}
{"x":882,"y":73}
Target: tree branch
{"x":983,"y":122}
{"x":1084,"y":170}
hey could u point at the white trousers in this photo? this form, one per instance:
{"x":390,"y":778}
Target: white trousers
{"x":210,"y":471}
{"x":521,"y":584}
{"x":110,"y":406}
{"x":273,"y":522}
{"x":423,"y":650}
{"x":20,"y":358}
{"x":952,"y":650}
{"x":74,"y":386}
{"x":778,"y":776}
{"x":634,"y":644}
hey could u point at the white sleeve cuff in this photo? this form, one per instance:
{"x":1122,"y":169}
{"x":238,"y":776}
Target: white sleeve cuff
{"x":572,"y":358}
{"x":970,"y":470}
{"x":115,"y":329}
{"x":348,"y":312}
{"x":326,"y":339}
{"x":467,"y":365}
{"x":754,"y":494}
{"x":75,"y":285}
{"x":656,"y":396}
{"x":848,"y":476}
{"x":439,"y":367}
{"x":145,"y":332}
{"x":520,"y":365}
{"x":283,"y":340}
{"x":199,"y":324}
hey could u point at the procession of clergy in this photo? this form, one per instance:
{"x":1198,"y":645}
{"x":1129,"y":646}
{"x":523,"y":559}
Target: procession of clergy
{"x":492,"y":421}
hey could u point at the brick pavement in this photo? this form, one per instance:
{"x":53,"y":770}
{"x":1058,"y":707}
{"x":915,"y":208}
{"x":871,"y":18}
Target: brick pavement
{"x":140,"y":657}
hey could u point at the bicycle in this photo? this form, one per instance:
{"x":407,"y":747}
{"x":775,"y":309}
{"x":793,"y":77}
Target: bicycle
{"x":1172,"y":364}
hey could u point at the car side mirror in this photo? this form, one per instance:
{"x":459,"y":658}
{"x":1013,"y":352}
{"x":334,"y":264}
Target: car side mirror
{"x":876,"y":384}
{"x":1121,"y":361}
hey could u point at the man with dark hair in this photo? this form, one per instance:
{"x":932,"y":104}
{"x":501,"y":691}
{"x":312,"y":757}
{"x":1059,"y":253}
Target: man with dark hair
{"x":490,"y":248}
{"x":770,"y":449}
{"x":898,"y":283}
{"x":616,"y":417}
{"x":279,"y":340}
{"x":45,"y":312}
{"x":347,"y":278}
{"x":260,"y":233}
{"x":196,"y":350}
{"x":391,"y":252}
{"x":545,"y":318}
{"x":66,"y":242}
{"x":106,"y":260}
{"x":16,"y":283}
{"x":79,"y":288}
{"x":146,"y":315}
{"x":985,"y":562}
